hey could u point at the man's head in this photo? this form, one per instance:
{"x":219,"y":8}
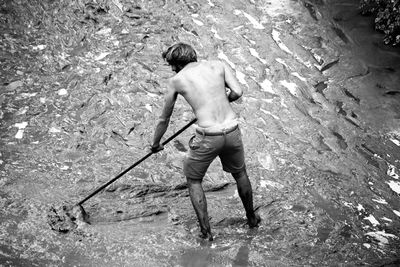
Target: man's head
{"x":179,"y":55}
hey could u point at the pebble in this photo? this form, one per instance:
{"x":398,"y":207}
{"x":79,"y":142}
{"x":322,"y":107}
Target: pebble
{"x":290,"y":86}
{"x":301,"y":78}
{"x":367,"y":245}
{"x":62,"y":92}
{"x":380,"y":201}
{"x":104,"y":31}
{"x":265,"y":183}
{"x":395,"y":186}
{"x":22,"y":111}
{"x":256,"y":24}
{"x":102,"y":55}
{"x":387,"y":219}
{"x":14,"y":85}
{"x":395,"y":141}
{"x":282,"y":46}
{"x":372,"y":220}
{"x":266,"y":86}
{"x":360,"y":207}
{"x":21,"y":126}
{"x":392,"y":171}
{"x":381,"y":237}
{"x":216,"y":35}
{"x":266,"y":161}
{"x":25,"y":95}
{"x":255,"y":54}
{"x":54,"y":130}
{"x":39,"y":47}
{"x":19,"y":134}
{"x":148,"y":107}
{"x":241,"y":78}
{"x":198,"y":22}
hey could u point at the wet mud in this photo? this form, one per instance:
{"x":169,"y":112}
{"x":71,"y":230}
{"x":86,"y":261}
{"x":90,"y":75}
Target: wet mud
{"x":81,"y":89}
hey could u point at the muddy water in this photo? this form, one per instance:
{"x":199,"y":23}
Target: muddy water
{"x":365,"y":42}
{"x":359,"y":32}
{"x":320,"y":123}
{"x":380,"y":64}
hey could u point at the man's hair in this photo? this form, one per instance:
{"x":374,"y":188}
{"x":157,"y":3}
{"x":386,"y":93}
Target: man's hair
{"x":180,"y":54}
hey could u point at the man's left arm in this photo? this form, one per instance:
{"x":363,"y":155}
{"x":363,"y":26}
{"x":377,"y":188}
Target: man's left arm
{"x":163,"y":122}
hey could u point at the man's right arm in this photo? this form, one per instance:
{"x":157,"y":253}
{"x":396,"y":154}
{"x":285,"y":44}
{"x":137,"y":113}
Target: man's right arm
{"x":232,"y":83}
{"x":162,"y":125}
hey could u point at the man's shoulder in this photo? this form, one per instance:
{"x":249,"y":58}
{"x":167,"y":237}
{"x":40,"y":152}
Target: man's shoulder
{"x":201,"y":64}
{"x":214,"y":62}
{"x":173,"y":80}
{"x":195,"y":68}
{"x":213,"y":65}
{"x":176,"y":81}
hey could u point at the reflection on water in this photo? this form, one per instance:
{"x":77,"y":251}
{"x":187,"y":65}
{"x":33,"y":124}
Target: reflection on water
{"x":242,"y":257}
{"x":196,"y":258}
{"x":235,"y":245}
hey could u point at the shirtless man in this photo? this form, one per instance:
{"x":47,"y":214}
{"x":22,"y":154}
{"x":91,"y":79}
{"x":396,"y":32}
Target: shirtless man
{"x":208,"y":87}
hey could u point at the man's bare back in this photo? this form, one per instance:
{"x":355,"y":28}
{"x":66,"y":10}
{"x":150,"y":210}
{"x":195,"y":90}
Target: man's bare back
{"x":203,"y":85}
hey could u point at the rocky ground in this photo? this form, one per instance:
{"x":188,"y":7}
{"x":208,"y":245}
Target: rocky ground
{"x":81,"y":89}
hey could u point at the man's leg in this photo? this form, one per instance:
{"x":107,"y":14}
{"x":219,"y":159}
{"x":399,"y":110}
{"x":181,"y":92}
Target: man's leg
{"x":246,"y":195}
{"x":199,"y":203}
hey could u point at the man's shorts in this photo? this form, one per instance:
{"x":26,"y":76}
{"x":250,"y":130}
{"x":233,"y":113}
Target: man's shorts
{"x":205,"y":147}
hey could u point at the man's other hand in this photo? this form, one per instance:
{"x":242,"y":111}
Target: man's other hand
{"x":156,"y":148}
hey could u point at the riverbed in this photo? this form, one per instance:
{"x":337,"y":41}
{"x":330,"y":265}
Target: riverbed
{"x":82,"y":87}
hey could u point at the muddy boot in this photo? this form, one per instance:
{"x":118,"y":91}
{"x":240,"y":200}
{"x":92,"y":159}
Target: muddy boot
{"x":253,"y":220}
{"x":206,"y":234}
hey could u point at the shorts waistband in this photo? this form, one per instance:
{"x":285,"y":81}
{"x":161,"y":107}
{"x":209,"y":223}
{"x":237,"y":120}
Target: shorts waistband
{"x":216,"y":133}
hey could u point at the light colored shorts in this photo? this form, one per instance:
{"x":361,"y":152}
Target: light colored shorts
{"x":206,"y":146}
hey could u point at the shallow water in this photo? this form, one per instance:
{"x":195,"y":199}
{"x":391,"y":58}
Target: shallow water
{"x":366,"y":42}
{"x":321,"y":137}
{"x":379,"y":63}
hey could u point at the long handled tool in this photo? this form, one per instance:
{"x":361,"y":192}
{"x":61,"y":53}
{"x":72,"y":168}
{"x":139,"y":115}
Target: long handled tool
{"x":97,"y":190}
{"x":62,"y":221}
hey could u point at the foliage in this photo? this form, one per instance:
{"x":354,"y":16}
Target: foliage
{"x":387,"y":17}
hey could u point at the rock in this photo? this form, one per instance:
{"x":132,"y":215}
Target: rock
{"x":62,"y":92}
{"x":21,"y":126}
{"x":14,"y":85}
{"x":266,"y":161}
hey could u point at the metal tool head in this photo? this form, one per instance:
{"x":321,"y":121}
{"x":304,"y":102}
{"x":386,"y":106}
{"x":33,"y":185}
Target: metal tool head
{"x":65,"y":218}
